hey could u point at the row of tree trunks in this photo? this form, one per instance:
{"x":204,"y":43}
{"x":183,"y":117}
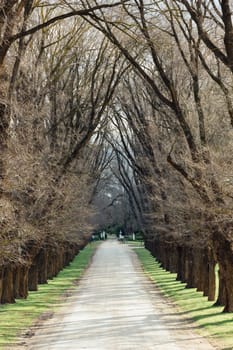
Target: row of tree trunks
{"x":51,"y":259}
{"x":13,"y":283}
{"x":194,"y":266}
{"x":42,"y":264}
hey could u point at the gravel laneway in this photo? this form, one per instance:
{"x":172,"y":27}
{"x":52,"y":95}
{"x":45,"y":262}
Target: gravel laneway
{"x":117,"y":308}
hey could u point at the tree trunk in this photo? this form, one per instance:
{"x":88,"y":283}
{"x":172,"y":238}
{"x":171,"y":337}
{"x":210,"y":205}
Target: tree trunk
{"x":190,"y":269}
{"x":229,"y":286}
{"x":199,"y":270}
{"x":16,"y":275}
{"x":33,"y":277}
{"x":173,"y":259}
{"x":224,"y":253}
{"x":42,"y":261}
{"x":179,"y":263}
{"x":1,"y":283}
{"x":8,"y":288}
{"x":185,"y":266}
{"x":21,"y":282}
{"x":212,"y":277}
{"x":221,"y":300}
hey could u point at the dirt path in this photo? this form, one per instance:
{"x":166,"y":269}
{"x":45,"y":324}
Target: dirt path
{"x":117,"y":308}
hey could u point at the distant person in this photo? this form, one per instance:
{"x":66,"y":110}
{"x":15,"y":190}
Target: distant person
{"x":121,"y":237}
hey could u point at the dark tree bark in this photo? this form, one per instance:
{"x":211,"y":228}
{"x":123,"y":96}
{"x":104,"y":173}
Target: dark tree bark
{"x":7,"y":286}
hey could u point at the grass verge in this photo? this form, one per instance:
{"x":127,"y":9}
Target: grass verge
{"x":15,"y":318}
{"x":212,"y":322}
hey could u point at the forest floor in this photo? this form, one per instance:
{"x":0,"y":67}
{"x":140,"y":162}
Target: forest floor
{"x":116,"y":307}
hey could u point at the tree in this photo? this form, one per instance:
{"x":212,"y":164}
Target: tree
{"x":56,"y":107}
{"x":138,"y":23}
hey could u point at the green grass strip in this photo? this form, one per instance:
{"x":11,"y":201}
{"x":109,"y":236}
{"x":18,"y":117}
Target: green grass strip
{"x":212,"y":322}
{"x":15,"y":318}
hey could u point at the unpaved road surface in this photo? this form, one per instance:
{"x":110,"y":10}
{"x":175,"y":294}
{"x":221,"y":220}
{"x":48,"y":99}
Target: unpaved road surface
{"x":116,"y":307}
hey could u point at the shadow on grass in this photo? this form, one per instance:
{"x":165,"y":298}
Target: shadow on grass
{"x":14,"y":318}
{"x":191,"y":303}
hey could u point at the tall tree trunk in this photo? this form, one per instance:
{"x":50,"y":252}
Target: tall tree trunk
{"x":224,"y":253}
{"x":33,"y":277}
{"x":8,"y":287}
{"x":21,"y":281}
{"x":221,"y":300}
{"x":212,"y":277}
{"x":200,"y":269}
{"x":1,"y":282}
{"x":42,"y":261}
{"x":179,"y":263}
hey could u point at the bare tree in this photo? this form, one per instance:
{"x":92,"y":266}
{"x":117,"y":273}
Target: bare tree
{"x":157,"y":65}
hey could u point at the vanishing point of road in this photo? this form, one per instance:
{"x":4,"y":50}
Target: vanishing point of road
{"x":116,"y":307}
